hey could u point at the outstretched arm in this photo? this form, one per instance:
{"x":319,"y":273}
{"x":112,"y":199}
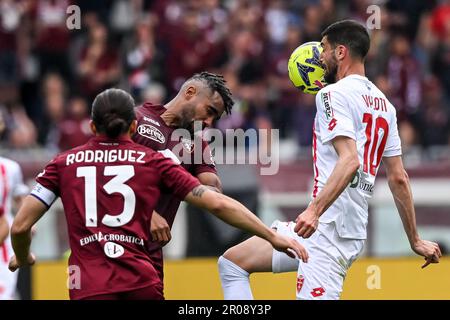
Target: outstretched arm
{"x":237,"y":215}
{"x":401,"y":190}
{"x":342,"y":174}
{"x":210,"y":180}
{"x":160,"y":229}
{"x":29,"y":213}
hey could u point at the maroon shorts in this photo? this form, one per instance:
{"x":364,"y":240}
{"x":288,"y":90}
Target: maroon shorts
{"x":152,"y":292}
{"x":158,"y":262}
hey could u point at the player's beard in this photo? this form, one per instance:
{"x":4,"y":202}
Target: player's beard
{"x":331,"y":71}
{"x":186,"y":120}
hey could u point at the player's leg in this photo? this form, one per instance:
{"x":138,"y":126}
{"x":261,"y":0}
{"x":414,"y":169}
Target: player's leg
{"x":158,"y":262}
{"x":8,"y":279}
{"x":252,"y":255}
{"x":323,"y":276}
{"x":236,"y":264}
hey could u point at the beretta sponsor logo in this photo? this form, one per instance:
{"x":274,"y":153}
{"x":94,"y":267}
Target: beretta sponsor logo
{"x":149,"y":131}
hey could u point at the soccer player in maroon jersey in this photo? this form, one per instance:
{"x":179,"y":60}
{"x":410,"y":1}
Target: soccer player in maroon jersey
{"x":203,"y":98}
{"x":109,"y":188}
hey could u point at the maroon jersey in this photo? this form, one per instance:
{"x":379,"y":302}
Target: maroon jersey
{"x":152,"y":132}
{"x":109,"y":189}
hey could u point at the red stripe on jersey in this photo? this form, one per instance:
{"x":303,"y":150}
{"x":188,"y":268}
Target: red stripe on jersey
{"x":3,"y":247}
{"x":316,"y":171}
{"x":4,"y":250}
{"x":5,"y":187}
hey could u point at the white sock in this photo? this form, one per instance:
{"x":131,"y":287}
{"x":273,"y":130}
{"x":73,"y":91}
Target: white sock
{"x":235,"y":281}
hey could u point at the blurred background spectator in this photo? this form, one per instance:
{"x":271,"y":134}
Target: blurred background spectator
{"x":50,"y":74}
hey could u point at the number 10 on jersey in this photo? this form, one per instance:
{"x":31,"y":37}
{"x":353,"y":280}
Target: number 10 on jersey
{"x":374,"y":147}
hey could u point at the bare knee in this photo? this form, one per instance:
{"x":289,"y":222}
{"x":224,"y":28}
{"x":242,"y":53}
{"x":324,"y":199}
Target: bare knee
{"x":252,"y":255}
{"x":235,"y":255}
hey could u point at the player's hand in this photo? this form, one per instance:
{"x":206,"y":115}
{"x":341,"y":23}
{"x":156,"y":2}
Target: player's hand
{"x":160,"y":229}
{"x":429,"y":250}
{"x":289,"y":246}
{"x":306,"y":223}
{"x":14,"y":264}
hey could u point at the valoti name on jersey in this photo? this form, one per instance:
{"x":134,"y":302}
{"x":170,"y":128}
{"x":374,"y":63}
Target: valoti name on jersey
{"x":327,"y":105}
{"x":149,"y":131}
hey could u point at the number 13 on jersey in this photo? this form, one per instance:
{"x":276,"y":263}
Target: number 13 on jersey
{"x":117,"y":184}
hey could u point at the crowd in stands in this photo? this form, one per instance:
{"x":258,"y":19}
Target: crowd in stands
{"x":49,"y":73}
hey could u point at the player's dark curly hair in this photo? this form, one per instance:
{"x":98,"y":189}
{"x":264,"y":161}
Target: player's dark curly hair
{"x":351,"y":34}
{"x":113,"y":112}
{"x":216,"y":83}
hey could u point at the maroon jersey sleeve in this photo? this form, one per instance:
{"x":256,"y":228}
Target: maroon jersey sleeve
{"x":173,"y":176}
{"x":207,"y":164}
{"x":47,"y":189}
{"x":49,"y":177}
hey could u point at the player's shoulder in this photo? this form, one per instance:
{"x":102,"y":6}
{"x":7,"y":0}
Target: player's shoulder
{"x":62,"y":155}
{"x":330,"y":93}
{"x":390,"y":107}
{"x":138,"y":147}
{"x":337,"y":88}
{"x":149,"y":109}
{"x":150,"y":154}
{"x":327,"y":88}
{"x":11,"y":166}
{"x":9,"y":162}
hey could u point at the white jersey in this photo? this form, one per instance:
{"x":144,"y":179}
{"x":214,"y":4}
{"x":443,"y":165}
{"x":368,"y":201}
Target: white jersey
{"x":353,"y":107}
{"x":11,"y":186}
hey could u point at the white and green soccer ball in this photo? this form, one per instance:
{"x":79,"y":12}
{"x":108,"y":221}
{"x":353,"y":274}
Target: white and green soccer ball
{"x":305,"y":70}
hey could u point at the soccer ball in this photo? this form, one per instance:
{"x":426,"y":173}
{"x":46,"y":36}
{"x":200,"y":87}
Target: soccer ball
{"x":305,"y":70}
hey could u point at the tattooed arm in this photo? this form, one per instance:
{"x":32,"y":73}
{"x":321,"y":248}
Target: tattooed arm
{"x":237,"y":215}
{"x":211,"y":181}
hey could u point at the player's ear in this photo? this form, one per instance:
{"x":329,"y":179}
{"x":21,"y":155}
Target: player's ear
{"x":133,"y":127}
{"x":93,"y":128}
{"x":190,"y":92}
{"x":341,"y":52}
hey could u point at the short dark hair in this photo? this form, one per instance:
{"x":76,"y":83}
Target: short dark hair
{"x":351,"y":34}
{"x":113,"y":112}
{"x":216,"y":83}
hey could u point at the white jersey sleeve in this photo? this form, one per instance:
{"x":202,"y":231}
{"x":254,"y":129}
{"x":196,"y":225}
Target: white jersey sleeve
{"x":333,"y":115}
{"x":18,"y":188}
{"x":393,"y":143}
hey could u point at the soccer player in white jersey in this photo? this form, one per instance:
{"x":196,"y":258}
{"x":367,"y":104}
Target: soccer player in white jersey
{"x":12,"y":189}
{"x":354,"y":129}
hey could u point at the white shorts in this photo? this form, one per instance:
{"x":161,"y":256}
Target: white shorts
{"x":8,"y":279}
{"x":322,"y":278}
